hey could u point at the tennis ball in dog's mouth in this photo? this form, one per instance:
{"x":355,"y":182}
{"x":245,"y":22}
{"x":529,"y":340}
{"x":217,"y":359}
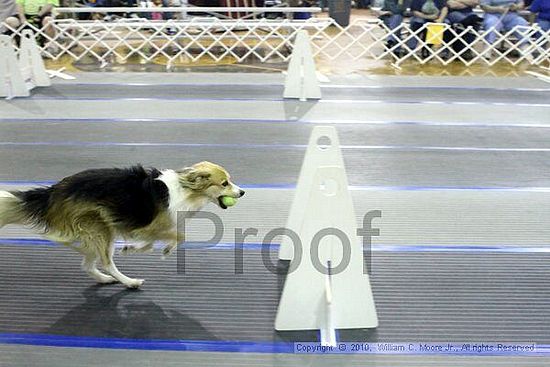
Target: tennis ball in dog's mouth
{"x":228,"y":201}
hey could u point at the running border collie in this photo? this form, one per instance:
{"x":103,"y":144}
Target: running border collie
{"x":88,"y":210}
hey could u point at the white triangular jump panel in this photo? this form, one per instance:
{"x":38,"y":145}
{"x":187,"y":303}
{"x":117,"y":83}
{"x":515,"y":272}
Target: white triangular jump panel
{"x":31,"y":63}
{"x":301,"y":79}
{"x":323,"y":150}
{"x":12,"y":83}
{"x":309,"y":300}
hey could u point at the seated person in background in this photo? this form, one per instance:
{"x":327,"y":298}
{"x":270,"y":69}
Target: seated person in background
{"x":176,"y":4}
{"x":502,"y":14}
{"x":542,"y":9}
{"x":39,"y":13}
{"x":425,"y":11}
{"x":153,"y":4}
{"x":392,"y":16}
{"x":91,"y":4}
{"x":159,"y":15}
{"x":461,"y":16}
{"x":462,"y":10}
{"x":10,"y":16}
{"x":117,"y":4}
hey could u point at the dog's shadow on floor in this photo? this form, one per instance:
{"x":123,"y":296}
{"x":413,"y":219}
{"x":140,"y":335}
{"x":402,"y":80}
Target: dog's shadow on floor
{"x":296,"y":110}
{"x":126,"y":314}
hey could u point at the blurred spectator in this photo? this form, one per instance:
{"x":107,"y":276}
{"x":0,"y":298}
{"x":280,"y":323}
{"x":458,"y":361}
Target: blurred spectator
{"x":157,"y":15}
{"x":461,"y":10}
{"x":362,"y":4}
{"x":174,"y":4}
{"x":154,"y":4}
{"x":392,"y":15}
{"x":542,"y":9}
{"x":499,"y":15}
{"x":425,"y":11}
{"x":94,"y":3}
{"x":39,"y":13}
{"x":303,"y":14}
{"x":91,"y":4}
{"x":461,"y":16}
{"x":9,"y":14}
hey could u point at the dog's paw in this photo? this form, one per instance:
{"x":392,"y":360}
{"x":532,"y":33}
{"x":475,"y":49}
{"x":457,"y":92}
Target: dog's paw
{"x":106,"y":279}
{"x":126,"y":250}
{"x":167,"y":251}
{"x":134,"y":283}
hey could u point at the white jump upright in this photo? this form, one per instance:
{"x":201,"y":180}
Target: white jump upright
{"x":12,"y":83}
{"x":301,"y":79}
{"x":18,"y":77}
{"x":323,"y":150}
{"x":328,"y":287}
{"x":31,"y":63}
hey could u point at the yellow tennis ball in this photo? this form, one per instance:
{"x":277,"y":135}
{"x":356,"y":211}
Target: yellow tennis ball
{"x":228,"y":201}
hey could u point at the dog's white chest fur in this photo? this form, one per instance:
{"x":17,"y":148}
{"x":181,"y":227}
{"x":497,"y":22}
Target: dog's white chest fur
{"x":178,"y":197}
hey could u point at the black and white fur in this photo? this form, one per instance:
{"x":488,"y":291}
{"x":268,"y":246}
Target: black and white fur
{"x":89,"y":210}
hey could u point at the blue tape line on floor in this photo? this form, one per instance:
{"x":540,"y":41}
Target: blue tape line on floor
{"x":147,"y":344}
{"x":287,"y":186}
{"x":543,"y":248}
{"x":323,"y":86}
{"x":252,"y":100}
{"x":249,"y":346}
{"x":410,"y":188}
{"x":287,"y":121}
{"x":400,"y":148}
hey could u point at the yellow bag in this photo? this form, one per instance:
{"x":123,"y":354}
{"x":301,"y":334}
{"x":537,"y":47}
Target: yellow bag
{"x":434,"y":34}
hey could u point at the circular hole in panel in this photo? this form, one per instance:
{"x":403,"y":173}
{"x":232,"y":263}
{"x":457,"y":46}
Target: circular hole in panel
{"x":324,"y":142}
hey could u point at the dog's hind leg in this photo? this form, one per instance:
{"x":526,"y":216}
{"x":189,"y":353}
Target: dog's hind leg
{"x":96,"y":236}
{"x":89,"y":262}
{"x":89,"y":266}
{"x":106,"y":255}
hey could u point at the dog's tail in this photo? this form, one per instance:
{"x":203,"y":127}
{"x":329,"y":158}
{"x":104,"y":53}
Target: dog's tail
{"x":10,"y":209}
{"x":24,"y":207}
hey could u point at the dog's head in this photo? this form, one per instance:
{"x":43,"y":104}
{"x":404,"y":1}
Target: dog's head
{"x":209,"y":181}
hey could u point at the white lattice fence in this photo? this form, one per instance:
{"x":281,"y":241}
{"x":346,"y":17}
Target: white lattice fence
{"x":215,"y":39}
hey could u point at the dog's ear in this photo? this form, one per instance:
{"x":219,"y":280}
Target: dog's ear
{"x":194,"y":178}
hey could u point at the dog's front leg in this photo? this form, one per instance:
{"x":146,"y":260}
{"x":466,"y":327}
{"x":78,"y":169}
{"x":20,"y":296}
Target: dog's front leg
{"x":133,"y":249}
{"x":173,"y":240}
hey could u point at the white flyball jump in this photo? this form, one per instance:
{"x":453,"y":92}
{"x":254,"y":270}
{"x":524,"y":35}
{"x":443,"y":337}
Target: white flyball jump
{"x":327,"y":287}
{"x":12,"y":83}
{"x":301,"y":78}
{"x":323,"y":149}
{"x":18,"y":77}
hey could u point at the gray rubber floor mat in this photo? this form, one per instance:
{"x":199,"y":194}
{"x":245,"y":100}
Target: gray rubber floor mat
{"x":273,"y":133}
{"x":179,"y":91}
{"x":258,"y":166}
{"x":197,"y":295}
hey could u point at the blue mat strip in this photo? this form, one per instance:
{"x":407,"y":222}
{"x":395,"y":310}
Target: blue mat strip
{"x":402,"y":148}
{"x":146,"y":344}
{"x":259,"y":99}
{"x":285,"y":186}
{"x":228,"y":346}
{"x":286,"y":121}
{"x":542,"y":248}
{"x":323,"y":86}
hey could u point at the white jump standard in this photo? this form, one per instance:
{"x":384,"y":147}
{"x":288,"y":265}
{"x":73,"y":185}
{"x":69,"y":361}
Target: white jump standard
{"x":301,"y":78}
{"x":327,"y":287}
{"x":19,"y":76}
